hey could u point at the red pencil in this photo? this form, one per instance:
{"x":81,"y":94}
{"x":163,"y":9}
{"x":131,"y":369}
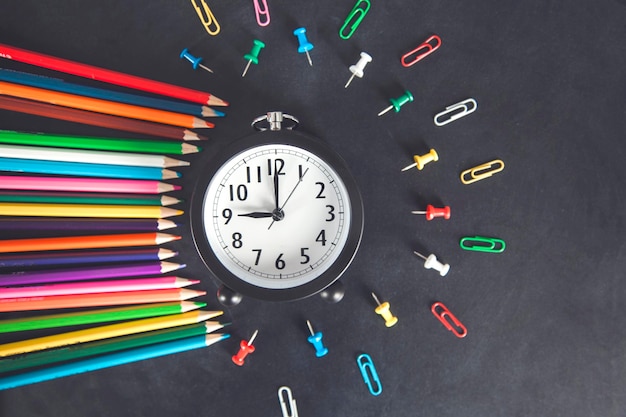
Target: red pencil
{"x":108,"y":76}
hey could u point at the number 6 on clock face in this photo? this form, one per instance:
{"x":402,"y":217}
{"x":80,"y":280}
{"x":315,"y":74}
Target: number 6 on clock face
{"x":280,"y":218}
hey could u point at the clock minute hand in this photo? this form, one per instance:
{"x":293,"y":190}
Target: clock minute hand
{"x":256,"y":215}
{"x":277,"y":207}
{"x":290,"y":194}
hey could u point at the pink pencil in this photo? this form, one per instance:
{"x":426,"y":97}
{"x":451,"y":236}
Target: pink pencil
{"x":94,"y":287}
{"x":95,"y":185}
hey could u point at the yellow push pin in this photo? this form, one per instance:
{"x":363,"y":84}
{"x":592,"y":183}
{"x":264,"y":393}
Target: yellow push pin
{"x":383,"y":311}
{"x":421,"y":160}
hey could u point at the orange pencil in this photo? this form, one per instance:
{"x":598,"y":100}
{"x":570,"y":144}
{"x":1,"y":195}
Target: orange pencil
{"x":97,"y":300}
{"x":85,"y":242}
{"x":102,"y":106}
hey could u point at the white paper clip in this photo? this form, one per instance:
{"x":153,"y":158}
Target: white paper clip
{"x":452,"y":112}
{"x":291,"y":410}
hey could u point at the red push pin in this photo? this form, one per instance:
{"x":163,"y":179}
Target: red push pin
{"x":244,"y":349}
{"x":432,"y":212}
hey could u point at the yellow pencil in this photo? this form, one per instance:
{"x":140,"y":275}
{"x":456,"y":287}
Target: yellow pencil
{"x":106,"y":332}
{"x":87,"y":210}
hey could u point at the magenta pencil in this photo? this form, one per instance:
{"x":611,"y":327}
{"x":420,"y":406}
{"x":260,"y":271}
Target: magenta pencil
{"x":94,"y":185}
{"x":85,"y":274}
{"x":94,"y":287}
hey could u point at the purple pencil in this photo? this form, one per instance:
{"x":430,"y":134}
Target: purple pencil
{"x":79,"y":224}
{"x":84,"y":257}
{"x":84,"y":274}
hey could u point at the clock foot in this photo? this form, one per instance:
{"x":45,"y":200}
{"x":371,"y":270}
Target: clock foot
{"x":334,"y":292}
{"x":228,"y":297}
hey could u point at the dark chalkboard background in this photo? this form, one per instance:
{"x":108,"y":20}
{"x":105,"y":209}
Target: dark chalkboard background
{"x":545,"y":322}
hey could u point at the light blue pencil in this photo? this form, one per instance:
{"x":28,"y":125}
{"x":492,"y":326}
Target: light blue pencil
{"x":56,"y":84}
{"x":85,"y":170}
{"x":110,"y":360}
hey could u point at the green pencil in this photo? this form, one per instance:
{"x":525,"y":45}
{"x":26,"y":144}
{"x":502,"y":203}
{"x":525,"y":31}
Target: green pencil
{"x":87,"y":199}
{"x":95,"y":143}
{"x":83,"y":350}
{"x":97,"y":316}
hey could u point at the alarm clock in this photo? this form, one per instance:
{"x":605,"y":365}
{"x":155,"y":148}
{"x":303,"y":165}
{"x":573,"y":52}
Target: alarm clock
{"x":277,"y":215}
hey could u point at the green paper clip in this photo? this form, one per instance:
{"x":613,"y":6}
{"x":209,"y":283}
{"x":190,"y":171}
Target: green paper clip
{"x":483,"y":244}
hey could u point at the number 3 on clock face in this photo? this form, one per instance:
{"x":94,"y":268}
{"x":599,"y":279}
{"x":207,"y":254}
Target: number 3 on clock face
{"x":281,"y":218}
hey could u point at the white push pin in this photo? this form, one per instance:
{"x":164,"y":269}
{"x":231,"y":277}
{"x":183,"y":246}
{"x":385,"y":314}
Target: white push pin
{"x":358,"y":68}
{"x":431,"y":262}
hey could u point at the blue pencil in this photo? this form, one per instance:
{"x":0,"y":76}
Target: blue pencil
{"x":110,"y":360}
{"x":56,"y":84}
{"x":85,"y":170}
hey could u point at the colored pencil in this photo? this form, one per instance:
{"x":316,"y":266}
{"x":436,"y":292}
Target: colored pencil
{"x":103,"y":106}
{"x":108,"y":76}
{"x":96,"y":287}
{"x":103,"y":315}
{"x":105,"y":332}
{"x":85,"y":242}
{"x":29,"y":260}
{"x":97,"y":143}
{"x":87,"y":198}
{"x":110,"y":360}
{"x":57,"y":84}
{"x":84,"y":224}
{"x":96,"y":300}
{"x":93,"y":185}
{"x":87,"y":210}
{"x":84,"y":350}
{"x":88,"y":156}
{"x":89,"y":273}
{"x":32,"y":166}
{"x":97,"y":119}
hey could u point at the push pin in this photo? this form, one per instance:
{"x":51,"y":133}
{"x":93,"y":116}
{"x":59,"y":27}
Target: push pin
{"x":432,"y":263}
{"x":305,"y":45}
{"x":253,"y":56}
{"x":422,"y":160}
{"x":396,"y":103}
{"x":432,"y":212}
{"x":358,"y":68}
{"x":316,"y":340}
{"x":195,"y":61}
{"x":383,"y":311}
{"x":244,"y":349}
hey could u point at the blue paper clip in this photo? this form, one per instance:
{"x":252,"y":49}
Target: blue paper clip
{"x":359,"y":10}
{"x":365,"y":362}
{"x":483,"y":244}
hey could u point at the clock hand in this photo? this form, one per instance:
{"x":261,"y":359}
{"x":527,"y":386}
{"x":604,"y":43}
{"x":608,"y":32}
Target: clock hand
{"x":276,"y":189}
{"x":289,"y":196}
{"x":256,"y":215}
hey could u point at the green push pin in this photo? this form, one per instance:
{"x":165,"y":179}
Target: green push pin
{"x":396,"y":103}
{"x":253,"y":56}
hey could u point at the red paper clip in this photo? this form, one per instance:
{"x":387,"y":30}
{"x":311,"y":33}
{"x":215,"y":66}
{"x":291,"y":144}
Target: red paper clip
{"x":422,"y":51}
{"x":443,"y":314}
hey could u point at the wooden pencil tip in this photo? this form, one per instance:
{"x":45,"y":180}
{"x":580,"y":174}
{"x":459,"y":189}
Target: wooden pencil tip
{"x":167,"y":200}
{"x":186,"y":306}
{"x":172,"y":162}
{"x":168,"y":174}
{"x":215,"y":337}
{"x":163,"y":253}
{"x":169,"y":212}
{"x":216,"y":101}
{"x":164,"y":188}
{"x":163,"y":224}
{"x":190,"y":135}
{"x":170,"y":266}
{"x":164,"y":238}
{"x":187,"y":148}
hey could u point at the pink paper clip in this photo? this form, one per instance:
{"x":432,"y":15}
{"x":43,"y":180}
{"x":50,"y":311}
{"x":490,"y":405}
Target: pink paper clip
{"x":261,"y":11}
{"x":422,"y":51}
{"x":445,"y":317}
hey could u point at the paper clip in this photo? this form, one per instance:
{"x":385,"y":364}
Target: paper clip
{"x":358,"y":10}
{"x":482,"y":171}
{"x":365,"y":363}
{"x":483,"y":244}
{"x":206,"y":17}
{"x":443,"y":314}
{"x":291,"y":410}
{"x":262,"y":11}
{"x":422,"y":51}
{"x":453,"y":113}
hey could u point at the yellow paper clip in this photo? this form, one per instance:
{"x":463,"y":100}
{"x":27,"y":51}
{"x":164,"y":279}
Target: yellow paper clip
{"x":206,"y":17}
{"x":482,"y":171}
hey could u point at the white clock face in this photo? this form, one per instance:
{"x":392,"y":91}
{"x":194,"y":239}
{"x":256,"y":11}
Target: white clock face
{"x":276,"y":216}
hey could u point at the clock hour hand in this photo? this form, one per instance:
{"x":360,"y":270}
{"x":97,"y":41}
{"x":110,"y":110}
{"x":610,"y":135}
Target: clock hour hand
{"x":257,"y":215}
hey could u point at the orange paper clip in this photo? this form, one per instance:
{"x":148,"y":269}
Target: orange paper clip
{"x":426,"y":48}
{"x":481,"y":171}
{"x":448,"y":319}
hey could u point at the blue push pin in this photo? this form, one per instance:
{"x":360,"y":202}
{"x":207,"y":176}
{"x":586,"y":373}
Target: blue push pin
{"x":195,"y":62}
{"x":316,"y":340}
{"x":305,"y":45}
